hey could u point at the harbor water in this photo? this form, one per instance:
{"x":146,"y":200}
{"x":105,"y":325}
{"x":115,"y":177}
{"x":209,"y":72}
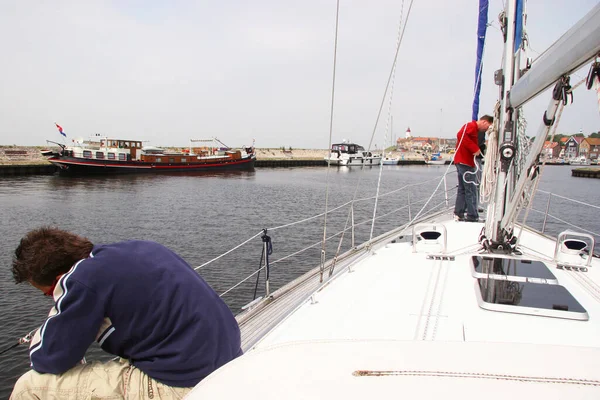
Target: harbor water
{"x":203,"y":215}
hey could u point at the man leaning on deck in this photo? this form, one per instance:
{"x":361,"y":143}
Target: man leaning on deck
{"x":139,"y":300}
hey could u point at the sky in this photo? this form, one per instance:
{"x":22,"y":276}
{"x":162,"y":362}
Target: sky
{"x":168,"y":71}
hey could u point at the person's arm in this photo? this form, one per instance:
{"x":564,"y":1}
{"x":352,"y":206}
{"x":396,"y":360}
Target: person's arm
{"x":71,"y":327}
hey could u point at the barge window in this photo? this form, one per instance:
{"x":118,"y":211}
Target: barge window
{"x":111,"y":156}
{"x":87,"y":154}
{"x":122,"y":157}
{"x":99,"y":155}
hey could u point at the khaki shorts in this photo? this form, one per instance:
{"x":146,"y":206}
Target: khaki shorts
{"x":95,"y":380}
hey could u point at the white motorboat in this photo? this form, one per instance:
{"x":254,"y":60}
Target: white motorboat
{"x":579,"y":161}
{"x":351,"y":154}
{"x":437,"y":307}
{"x":389,"y":160}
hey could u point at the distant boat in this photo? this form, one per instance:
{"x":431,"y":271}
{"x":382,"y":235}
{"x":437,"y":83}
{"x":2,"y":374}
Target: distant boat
{"x":435,"y":159}
{"x":389,"y":160}
{"x":111,"y":156}
{"x":351,"y":154}
{"x":579,"y":161}
{"x":435,"y":162}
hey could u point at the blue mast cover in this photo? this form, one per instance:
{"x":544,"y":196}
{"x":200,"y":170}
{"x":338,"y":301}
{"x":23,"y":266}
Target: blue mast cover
{"x":481,"y":30}
{"x":518,"y":25}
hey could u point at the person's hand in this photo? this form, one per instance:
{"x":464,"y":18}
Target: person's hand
{"x":478,"y":153}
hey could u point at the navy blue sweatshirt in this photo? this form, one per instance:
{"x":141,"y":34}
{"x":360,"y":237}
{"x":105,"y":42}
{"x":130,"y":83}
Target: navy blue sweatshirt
{"x":142,"y":302}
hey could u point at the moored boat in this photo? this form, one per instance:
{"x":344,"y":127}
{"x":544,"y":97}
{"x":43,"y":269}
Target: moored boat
{"x":579,"y":161}
{"x":351,"y":154}
{"x":389,"y":160}
{"x":129,"y":156}
{"x":435,"y":159}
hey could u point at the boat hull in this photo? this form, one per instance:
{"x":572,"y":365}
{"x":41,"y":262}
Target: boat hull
{"x":369,"y":161}
{"x":435,"y":162}
{"x":77,"y":166}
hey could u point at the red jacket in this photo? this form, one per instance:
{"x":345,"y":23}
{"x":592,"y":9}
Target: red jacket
{"x":466,"y":145}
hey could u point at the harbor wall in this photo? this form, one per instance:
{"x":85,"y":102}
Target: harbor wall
{"x":22,"y":160}
{"x":586,"y":173}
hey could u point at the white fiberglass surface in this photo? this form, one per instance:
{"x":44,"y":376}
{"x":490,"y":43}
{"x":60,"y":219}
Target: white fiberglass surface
{"x":392,"y":369}
{"x":397,"y":294}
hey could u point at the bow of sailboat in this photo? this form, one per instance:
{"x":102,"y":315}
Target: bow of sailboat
{"x":439,"y":306}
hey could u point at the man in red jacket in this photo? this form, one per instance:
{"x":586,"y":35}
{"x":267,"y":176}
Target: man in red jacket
{"x":467,"y":149}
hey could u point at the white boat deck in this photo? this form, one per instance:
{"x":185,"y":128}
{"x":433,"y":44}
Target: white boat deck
{"x":399,"y":295}
{"x":400,"y":320}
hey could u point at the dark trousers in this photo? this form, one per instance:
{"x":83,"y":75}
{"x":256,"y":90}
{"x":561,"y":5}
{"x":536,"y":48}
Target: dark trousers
{"x":466,"y":197}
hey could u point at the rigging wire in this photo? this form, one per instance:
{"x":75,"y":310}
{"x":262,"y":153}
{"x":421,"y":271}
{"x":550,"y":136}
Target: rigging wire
{"x":477,"y":80}
{"x":335,"y":234}
{"x":10,"y":347}
{"x":387,"y":123}
{"x":387,"y":87}
{"x":23,"y":340}
{"x":323,"y":246}
{"x":227,"y":252}
{"x":528,"y":203}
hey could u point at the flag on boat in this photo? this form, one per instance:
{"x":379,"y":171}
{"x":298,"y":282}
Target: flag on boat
{"x":60,"y":129}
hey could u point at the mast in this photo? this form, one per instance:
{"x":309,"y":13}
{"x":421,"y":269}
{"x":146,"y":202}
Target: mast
{"x":576,"y":47}
{"x":506,"y":123}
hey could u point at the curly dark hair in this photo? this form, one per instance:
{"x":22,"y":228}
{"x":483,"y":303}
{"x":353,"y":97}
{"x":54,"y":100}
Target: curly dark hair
{"x":45,"y":253}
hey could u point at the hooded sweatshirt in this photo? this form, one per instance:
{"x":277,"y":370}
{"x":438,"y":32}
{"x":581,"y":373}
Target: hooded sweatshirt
{"x":142,"y":302}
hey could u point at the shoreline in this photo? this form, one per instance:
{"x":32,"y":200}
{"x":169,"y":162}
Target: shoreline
{"x":27,"y":160}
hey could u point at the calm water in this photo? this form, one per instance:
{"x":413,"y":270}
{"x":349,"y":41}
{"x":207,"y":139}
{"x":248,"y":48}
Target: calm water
{"x":201,"y":216}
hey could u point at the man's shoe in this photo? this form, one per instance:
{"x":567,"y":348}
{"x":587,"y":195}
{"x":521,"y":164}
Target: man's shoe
{"x":458,"y":218}
{"x":480,"y":210}
{"x":471,"y":219}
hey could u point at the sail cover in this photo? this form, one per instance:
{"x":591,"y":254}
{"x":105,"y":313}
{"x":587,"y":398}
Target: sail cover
{"x":481,"y":31}
{"x":518,"y":26}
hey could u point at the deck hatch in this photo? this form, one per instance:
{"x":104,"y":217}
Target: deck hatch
{"x":513,"y":269}
{"x":528,"y":298}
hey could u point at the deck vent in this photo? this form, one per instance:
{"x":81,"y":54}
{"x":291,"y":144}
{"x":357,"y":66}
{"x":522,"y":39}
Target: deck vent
{"x":573,"y":250}
{"x":430,"y":235}
{"x":429,"y":238}
{"x":573,"y":246}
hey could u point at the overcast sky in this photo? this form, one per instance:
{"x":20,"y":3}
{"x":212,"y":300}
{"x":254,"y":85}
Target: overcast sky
{"x":167,"y":71}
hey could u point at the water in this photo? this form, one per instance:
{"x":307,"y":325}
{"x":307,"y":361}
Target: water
{"x":202,"y":215}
